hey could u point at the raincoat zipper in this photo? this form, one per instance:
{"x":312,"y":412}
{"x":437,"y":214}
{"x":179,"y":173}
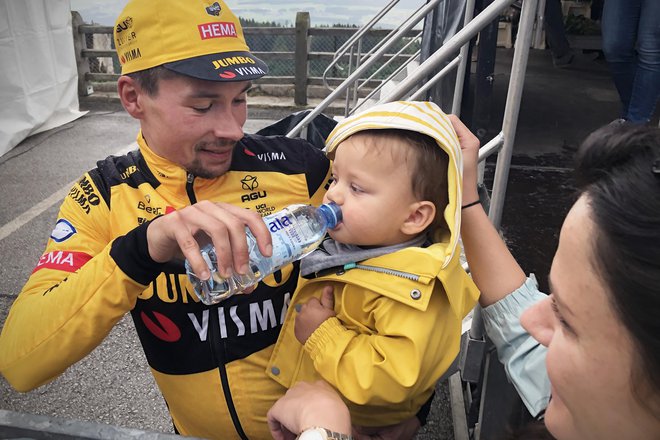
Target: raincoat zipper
{"x":396,"y":273}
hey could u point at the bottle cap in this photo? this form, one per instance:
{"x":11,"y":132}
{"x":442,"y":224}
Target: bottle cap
{"x":332,"y":214}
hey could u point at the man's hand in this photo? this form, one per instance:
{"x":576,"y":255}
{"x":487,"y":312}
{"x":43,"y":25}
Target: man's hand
{"x":177,"y":233}
{"x":311,"y":315}
{"x":401,"y":431}
{"x":470,"y":149}
{"x":306,"y":405}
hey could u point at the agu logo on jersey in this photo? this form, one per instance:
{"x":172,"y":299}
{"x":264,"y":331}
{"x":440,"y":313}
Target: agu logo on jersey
{"x":63,"y":231}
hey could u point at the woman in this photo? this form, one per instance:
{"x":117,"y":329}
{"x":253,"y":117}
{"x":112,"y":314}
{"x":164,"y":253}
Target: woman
{"x":600,"y":324}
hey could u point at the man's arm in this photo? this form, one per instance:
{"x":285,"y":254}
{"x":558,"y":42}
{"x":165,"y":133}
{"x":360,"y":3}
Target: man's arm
{"x":74,"y":296}
{"x":87,"y":280}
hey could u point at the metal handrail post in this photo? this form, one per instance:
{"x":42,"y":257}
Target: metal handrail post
{"x":360,"y":70}
{"x":540,"y":23}
{"x":363,"y":30}
{"x":460,"y":73}
{"x":394,"y":57}
{"x":349,"y":43}
{"x":430,"y":83}
{"x":386,"y":81}
{"x":512,"y":109}
{"x":347,"y":103}
{"x":450,"y":47}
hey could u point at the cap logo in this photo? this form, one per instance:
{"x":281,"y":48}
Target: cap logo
{"x":214,"y":9}
{"x":227,"y":75}
{"x":217,"y":29}
{"x":124,"y":25}
{"x":232,"y":61}
{"x":130,"y":55}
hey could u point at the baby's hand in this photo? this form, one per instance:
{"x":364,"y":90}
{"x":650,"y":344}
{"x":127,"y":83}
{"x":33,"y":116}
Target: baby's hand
{"x":311,"y":315}
{"x":470,"y":150}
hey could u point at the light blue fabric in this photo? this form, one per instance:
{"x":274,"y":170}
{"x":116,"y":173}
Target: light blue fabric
{"x":523,"y":357}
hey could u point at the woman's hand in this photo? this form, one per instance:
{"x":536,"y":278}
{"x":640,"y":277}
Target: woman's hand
{"x":470,"y":148}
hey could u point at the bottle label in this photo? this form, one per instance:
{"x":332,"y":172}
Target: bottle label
{"x":290,"y":238}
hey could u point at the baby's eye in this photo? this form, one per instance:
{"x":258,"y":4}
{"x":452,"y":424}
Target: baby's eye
{"x":356,"y":189}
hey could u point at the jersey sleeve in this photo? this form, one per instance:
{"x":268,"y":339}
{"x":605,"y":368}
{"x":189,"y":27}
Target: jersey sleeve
{"x":74,"y":296}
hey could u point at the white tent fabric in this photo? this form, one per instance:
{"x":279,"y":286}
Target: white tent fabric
{"x":38,"y":75}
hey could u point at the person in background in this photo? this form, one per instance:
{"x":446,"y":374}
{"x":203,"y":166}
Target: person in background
{"x":379,"y":317}
{"x":599,"y":323}
{"x":631,"y":44}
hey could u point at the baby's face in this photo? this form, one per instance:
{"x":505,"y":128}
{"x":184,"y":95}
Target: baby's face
{"x":373,"y":187}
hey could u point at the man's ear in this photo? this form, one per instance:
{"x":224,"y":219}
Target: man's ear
{"x":420,"y":217}
{"x":131,"y":96}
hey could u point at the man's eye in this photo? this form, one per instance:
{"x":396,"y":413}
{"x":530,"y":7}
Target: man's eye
{"x":203,"y":109}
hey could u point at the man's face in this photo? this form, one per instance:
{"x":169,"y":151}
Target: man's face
{"x":195,"y":123}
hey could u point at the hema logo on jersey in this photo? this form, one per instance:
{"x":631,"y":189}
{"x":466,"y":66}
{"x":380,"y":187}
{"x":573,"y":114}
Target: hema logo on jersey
{"x":67,"y":261}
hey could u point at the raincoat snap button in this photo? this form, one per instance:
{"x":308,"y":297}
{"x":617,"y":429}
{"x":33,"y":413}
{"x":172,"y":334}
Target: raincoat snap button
{"x":275,"y":371}
{"x":415,"y":294}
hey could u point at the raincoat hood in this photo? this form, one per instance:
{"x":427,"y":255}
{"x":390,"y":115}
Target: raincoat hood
{"x":421,"y":117}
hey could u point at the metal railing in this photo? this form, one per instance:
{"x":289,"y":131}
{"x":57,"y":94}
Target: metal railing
{"x":406,"y":89}
{"x":353,"y":49}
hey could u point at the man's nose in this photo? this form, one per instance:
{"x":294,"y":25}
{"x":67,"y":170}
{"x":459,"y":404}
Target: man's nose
{"x":228,"y":126}
{"x":539,"y":321}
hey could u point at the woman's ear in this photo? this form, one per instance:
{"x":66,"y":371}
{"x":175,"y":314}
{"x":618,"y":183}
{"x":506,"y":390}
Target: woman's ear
{"x":420,"y":217}
{"x":130,"y":95}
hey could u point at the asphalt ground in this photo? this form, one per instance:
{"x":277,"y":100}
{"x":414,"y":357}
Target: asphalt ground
{"x":113,"y":384}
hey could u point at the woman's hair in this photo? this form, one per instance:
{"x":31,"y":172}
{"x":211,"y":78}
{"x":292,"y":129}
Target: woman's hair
{"x":618,"y":170}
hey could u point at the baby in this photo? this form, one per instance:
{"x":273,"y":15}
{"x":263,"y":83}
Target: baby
{"x":378,"y":313}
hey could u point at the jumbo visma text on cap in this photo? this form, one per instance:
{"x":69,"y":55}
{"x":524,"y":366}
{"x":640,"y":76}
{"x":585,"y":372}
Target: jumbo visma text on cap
{"x":197,"y":38}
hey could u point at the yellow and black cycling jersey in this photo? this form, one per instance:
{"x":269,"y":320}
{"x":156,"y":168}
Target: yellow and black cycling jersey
{"x":209,"y":361}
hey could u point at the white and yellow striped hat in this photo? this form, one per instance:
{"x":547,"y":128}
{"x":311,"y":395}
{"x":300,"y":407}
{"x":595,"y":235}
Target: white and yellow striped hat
{"x":421,"y":117}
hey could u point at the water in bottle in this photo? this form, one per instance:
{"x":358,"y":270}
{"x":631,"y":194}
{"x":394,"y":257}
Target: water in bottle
{"x":296,"y":231}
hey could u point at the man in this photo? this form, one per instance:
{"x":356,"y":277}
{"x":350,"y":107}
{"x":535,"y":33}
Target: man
{"x":123,"y":231}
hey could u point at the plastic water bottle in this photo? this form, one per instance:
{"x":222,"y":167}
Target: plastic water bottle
{"x":296,"y":231}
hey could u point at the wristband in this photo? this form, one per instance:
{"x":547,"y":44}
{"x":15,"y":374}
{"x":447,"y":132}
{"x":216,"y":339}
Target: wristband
{"x":471,"y":204}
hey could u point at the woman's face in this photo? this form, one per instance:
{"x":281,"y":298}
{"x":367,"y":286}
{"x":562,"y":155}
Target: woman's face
{"x":590,"y":352}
